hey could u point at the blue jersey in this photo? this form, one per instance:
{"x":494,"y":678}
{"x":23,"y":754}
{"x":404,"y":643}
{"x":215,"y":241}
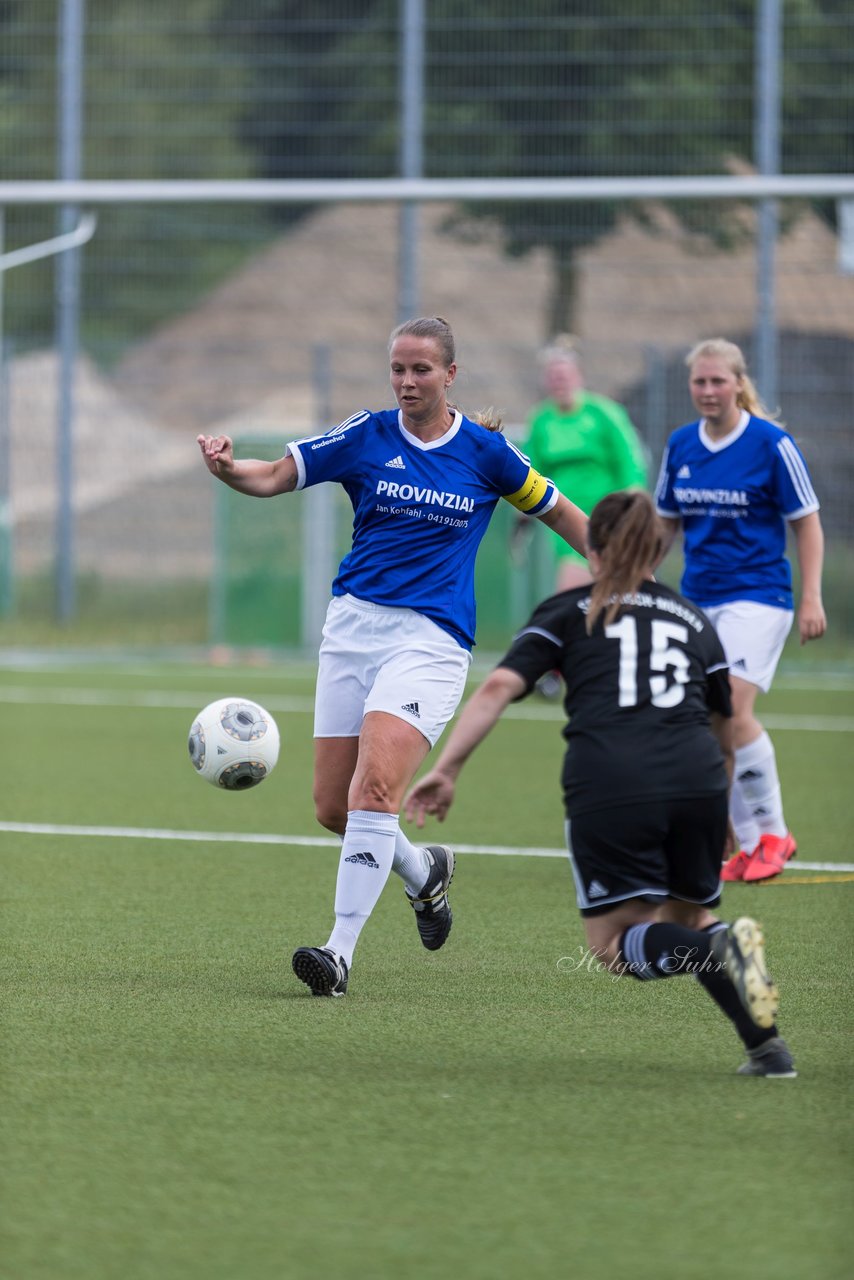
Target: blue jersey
{"x":420,"y":509}
{"x":734,"y":497}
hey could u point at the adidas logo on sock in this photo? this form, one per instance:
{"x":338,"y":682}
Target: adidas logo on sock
{"x":596,"y":889}
{"x":397,"y":463}
{"x":364,"y":860}
{"x":411,"y":708}
{"x":684,"y":473}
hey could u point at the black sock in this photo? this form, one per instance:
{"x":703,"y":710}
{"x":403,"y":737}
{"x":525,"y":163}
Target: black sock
{"x":664,"y":950}
{"x":716,"y":984}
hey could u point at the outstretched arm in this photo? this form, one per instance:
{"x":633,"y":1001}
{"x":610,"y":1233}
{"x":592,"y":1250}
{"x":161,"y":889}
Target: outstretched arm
{"x":569,"y":521}
{"x":434,"y":794}
{"x":809,"y":542}
{"x":254,"y":476}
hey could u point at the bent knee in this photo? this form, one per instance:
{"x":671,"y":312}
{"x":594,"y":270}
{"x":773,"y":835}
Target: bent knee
{"x":330,"y":815}
{"x":375,"y":792}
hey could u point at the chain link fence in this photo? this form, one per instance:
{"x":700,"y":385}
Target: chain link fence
{"x":271,"y":320}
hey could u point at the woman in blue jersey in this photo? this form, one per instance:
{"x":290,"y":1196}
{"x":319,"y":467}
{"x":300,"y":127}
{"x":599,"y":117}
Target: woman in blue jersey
{"x":735,"y":480}
{"x":423,"y":480}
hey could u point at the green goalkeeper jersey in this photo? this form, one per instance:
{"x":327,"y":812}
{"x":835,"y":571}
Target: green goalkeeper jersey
{"x":592,"y":451}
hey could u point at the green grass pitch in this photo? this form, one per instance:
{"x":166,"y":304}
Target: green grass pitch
{"x":176,"y":1107}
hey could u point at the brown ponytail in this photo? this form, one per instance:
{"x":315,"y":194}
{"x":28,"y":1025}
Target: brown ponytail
{"x":626,"y":534}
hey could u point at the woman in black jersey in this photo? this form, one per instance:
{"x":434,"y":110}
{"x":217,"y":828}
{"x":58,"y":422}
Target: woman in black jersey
{"x":646,"y":772}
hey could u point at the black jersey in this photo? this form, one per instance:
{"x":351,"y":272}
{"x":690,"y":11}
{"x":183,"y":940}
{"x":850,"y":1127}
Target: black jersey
{"x":638,"y":695}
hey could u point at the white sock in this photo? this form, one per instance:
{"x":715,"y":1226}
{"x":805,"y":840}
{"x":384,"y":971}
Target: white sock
{"x":363,"y":868}
{"x":410,"y":863}
{"x":757,"y":779}
{"x":746,"y":826}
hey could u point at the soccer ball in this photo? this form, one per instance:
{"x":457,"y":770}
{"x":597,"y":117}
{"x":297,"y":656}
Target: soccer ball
{"x":234,"y":743}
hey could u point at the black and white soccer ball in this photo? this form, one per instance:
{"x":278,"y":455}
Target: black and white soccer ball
{"x":234,"y":744}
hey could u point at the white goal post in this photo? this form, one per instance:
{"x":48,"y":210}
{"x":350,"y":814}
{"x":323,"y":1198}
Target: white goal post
{"x":78,"y":193}
{"x":418,"y":190}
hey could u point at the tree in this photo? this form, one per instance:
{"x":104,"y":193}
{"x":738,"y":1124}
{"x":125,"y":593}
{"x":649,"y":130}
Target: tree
{"x":550,"y":89}
{"x":159,"y":101}
{"x":818,"y":97}
{"x":281,"y":89}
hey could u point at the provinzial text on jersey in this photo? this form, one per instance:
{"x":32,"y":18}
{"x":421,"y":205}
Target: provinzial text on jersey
{"x":732,"y":497}
{"x":432,"y":497}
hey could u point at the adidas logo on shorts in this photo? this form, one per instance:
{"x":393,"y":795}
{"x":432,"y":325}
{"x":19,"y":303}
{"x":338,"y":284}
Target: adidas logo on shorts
{"x":411,"y":709}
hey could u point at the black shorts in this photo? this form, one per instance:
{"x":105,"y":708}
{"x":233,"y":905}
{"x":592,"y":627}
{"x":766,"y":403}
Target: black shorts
{"x":654,"y":850}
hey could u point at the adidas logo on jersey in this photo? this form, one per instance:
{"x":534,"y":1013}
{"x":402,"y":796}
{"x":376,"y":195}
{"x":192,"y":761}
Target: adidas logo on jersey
{"x":596,"y":889}
{"x":397,"y":463}
{"x":363,"y":860}
{"x":684,"y":473}
{"x":412,"y":709}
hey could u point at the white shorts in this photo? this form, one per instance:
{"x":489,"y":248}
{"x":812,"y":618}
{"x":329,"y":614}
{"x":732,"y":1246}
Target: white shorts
{"x":376,"y":658}
{"x":753,"y":636}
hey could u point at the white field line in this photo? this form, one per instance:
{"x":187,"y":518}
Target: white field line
{"x":157,"y":699}
{"x":281,"y":668}
{"x":166,"y":699}
{"x":313,"y":842}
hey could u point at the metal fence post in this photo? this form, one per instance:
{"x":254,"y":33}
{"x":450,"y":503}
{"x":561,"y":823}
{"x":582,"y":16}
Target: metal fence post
{"x":318,"y":522}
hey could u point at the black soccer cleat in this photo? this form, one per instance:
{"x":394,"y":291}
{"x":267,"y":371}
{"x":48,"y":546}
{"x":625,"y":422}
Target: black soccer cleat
{"x":771,"y":1059}
{"x":322,"y":970}
{"x":432,"y":908}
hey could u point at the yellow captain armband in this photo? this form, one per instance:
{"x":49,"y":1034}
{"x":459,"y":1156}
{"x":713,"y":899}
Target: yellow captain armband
{"x":531,"y":494}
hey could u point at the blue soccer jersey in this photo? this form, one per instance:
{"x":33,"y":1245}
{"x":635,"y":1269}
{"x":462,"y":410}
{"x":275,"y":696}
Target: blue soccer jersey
{"x":420,"y":509}
{"x":734,"y":497}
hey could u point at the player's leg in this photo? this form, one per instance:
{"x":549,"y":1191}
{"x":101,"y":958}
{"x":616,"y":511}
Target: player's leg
{"x":602,"y":932}
{"x":753,"y":636}
{"x":390,"y":753}
{"x":399,"y":701}
{"x":346,"y":669}
{"x":637,"y":940}
{"x":345,"y":672}
{"x":621,"y":879}
{"x":757,"y":784}
{"x":629,"y":861}
{"x":734,"y":975}
{"x":626,"y":855}
{"x":767,"y":1053}
{"x":334,"y":766}
{"x":422,"y":682}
